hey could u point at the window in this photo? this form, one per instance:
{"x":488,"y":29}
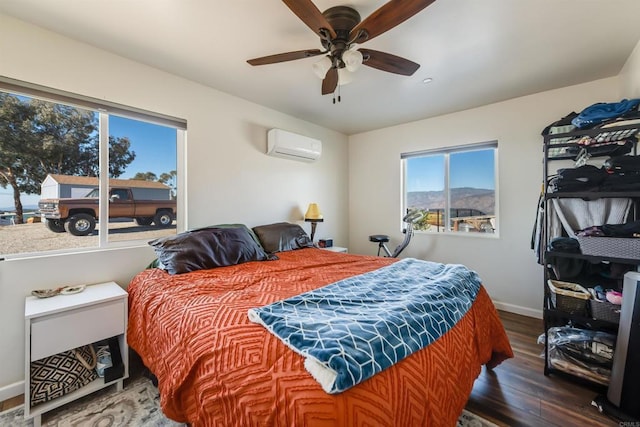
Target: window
{"x":454,"y":188}
{"x":67,"y":162}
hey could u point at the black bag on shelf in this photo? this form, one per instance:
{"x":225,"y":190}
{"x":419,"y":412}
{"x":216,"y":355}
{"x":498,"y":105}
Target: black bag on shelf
{"x":586,"y":173}
{"x":622,"y":164}
{"x":583,"y":178}
{"x":54,"y":376}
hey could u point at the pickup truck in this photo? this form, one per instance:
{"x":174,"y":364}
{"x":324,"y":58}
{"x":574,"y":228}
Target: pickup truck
{"x":78,"y":216}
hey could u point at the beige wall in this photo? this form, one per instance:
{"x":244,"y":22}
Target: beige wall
{"x":229,"y":178}
{"x":506,"y":264}
{"x":630,"y":75}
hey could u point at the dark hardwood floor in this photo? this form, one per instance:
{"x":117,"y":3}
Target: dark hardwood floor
{"x":517,"y":393}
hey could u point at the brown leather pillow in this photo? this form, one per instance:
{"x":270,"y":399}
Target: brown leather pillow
{"x":282,"y":236}
{"x":207,"y":248}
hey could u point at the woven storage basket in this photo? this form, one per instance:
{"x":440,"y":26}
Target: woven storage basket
{"x":604,"y":310}
{"x":569,"y":297}
{"x":611,"y":247}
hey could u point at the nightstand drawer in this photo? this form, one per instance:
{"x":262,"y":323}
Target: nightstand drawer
{"x":74,"y":328}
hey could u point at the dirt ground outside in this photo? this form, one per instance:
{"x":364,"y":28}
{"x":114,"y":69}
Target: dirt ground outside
{"x":36,"y":237}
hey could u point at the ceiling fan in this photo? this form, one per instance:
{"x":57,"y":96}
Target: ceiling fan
{"x":341,"y":30}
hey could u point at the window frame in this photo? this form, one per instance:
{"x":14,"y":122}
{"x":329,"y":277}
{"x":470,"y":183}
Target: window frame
{"x":104,"y":109}
{"x":446,"y":152}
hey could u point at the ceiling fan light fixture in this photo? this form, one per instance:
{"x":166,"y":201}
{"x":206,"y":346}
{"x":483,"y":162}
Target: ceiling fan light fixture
{"x":352,"y":59}
{"x":321,"y":67}
{"x":344,"y":76}
{"x":341,"y":30}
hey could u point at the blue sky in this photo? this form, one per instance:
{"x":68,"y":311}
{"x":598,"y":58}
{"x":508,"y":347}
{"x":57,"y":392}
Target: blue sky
{"x":154,"y":145}
{"x":467,"y":169}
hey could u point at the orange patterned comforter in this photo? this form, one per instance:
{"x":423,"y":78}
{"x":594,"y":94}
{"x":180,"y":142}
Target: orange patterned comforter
{"x":216,"y":368}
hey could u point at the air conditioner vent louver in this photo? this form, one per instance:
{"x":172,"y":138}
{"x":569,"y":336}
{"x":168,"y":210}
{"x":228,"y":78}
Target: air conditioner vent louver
{"x":281,"y":143}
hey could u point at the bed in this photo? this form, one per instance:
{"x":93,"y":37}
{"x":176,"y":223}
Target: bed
{"x":215,"y":367}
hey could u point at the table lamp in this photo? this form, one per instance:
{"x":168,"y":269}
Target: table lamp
{"x":314,"y":216}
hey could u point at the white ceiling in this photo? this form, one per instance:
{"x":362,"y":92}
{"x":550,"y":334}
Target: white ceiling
{"x":476,"y":51}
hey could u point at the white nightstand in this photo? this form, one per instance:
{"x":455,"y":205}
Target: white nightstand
{"x":65,"y":322}
{"x":336,"y":249}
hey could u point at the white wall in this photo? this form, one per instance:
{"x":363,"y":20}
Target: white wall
{"x":506,"y":264}
{"x":229,"y":178}
{"x":630,"y":75}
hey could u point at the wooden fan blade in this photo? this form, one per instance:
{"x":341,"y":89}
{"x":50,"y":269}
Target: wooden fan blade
{"x":310,"y":15}
{"x":388,"y":62}
{"x":283,"y":57}
{"x":330,"y":82}
{"x":386,"y":17}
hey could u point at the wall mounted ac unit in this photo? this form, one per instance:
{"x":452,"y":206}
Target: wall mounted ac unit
{"x":281,"y":143}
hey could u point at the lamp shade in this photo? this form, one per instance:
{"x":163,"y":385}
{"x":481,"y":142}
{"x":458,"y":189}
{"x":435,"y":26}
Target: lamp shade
{"x":352,"y":59}
{"x":313,"y":213}
{"x":321,"y":67}
{"x":344,"y":76}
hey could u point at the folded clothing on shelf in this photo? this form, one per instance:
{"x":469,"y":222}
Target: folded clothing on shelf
{"x":602,"y":111}
{"x":564,"y":244}
{"x":628,"y":229}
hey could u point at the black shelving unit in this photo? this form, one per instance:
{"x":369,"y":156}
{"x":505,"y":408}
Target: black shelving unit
{"x":552,"y":316}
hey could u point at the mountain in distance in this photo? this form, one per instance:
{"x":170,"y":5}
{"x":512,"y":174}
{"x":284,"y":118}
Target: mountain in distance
{"x":479,"y":199}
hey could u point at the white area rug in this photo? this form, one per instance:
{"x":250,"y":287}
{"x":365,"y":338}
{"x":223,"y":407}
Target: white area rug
{"x":467,"y":419}
{"x":137,"y":405}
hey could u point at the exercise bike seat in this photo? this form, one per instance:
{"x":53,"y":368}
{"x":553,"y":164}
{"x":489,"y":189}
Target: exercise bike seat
{"x":379,"y":238}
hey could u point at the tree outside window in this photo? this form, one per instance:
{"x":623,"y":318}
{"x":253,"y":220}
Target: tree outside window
{"x":44,"y":141}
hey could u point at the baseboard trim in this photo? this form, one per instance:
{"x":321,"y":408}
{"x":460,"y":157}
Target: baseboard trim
{"x":12,"y":390}
{"x":517,"y":309}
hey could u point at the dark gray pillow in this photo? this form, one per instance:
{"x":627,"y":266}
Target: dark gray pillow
{"x":207,"y":248}
{"x":237,"y":225}
{"x":282,"y":236}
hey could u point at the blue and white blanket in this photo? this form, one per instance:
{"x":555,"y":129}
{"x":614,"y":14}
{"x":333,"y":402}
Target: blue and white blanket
{"x":352,"y":329}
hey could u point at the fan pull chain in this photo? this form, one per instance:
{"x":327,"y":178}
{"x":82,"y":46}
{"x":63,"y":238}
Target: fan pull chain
{"x":334,"y":95}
